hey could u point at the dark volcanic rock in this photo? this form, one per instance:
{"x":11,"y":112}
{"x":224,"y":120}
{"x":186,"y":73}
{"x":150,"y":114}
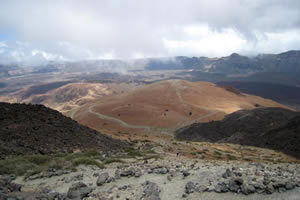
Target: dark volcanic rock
{"x":151,"y":191}
{"x":274,"y":128}
{"x":35,"y":129}
{"x":102,"y":179}
{"x":190,"y":187}
{"x":78,"y":191}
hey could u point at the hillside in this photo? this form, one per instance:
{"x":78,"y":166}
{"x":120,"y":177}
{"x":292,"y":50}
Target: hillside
{"x":63,"y":96}
{"x":35,"y":129}
{"x":274,"y":128}
{"x":166,"y":106}
{"x":288,"y":95}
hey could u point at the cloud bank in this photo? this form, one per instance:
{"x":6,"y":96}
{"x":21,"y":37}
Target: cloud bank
{"x":107,"y":29}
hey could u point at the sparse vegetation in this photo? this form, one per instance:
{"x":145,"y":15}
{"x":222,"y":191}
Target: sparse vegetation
{"x":33,"y":164}
{"x":217,"y":153}
{"x":231,"y":157}
{"x":113,"y":160}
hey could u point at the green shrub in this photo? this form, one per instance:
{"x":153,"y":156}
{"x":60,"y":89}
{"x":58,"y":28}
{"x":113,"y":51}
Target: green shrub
{"x":38,"y":159}
{"x":231,"y":157}
{"x":113,"y":160}
{"x":86,"y":161}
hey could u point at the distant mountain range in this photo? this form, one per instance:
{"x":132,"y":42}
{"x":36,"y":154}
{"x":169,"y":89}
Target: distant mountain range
{"x":233,"y":64}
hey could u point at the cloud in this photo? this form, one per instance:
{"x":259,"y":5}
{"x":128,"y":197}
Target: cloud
{"x":93,"y":29}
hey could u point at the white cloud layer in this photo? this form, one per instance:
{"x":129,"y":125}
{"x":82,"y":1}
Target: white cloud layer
{"x":105,"y":29}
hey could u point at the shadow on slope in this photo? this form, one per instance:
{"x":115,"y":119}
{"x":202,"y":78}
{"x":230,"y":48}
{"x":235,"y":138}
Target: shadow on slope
{"x":35,"y":129}
{"x":273,"y":128}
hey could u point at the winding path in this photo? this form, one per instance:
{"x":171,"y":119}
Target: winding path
{"x":178,"y":88}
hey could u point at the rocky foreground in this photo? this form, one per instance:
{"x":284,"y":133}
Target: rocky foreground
{"x":170,"y":178}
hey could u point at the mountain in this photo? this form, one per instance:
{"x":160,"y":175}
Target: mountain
{"x":166,"y":105}
{"x":284,"y":94}
{"x":284,"y":62}
{"x":35,"y":129}
{"x":233,"y":64}
{"x":274,"y":128}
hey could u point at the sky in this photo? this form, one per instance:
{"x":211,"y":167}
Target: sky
{"x":35,"y":31}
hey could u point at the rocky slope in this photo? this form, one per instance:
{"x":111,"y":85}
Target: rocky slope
{"x":168,"y":179}
{"x":274,"y":128}
{"x":35,"y":129}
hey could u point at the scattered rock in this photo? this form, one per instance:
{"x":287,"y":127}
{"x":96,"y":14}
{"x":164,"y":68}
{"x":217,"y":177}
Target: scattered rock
{"x":151,"y":191}
{"x":102,"y":179}
{"x":190,"y":187}
{"x":221,"y":188}
{"x":247,"y":189}
{"x":78,"y":191}
{"x":202,"y":188}
{"x":138,"y":173}
{"x":227,"y":174}
{"x":185,"y":173}
{"x":270,"y":189}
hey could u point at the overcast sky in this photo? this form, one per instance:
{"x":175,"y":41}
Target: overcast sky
{"x":36,"y":30}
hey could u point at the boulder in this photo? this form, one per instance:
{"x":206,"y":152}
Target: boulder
{"x":190,"y":187}
{"x":102,"y":179}
{"x":151,"y":191}
{"x":79,"y":191}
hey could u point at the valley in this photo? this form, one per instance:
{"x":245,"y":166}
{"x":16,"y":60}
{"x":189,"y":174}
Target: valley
{"x":150,"y":133}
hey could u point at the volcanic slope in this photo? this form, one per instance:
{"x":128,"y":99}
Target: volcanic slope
{"x":166,"y":106}
{"x":35,"y":129}
{"x":274,"y":128}
{"x":64,"y":96}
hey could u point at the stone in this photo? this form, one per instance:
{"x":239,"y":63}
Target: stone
{"x":232,"y":186}
{"x":260,"y":188}
{"x":138,"y":173}
{"x":281,"y":189}
{"x":13,"y":187}
{"x":190,"y":187}
{"x":102,"y":179}
{"x":78,"y":191}
{"x":228,"y":173}
{"x":221,"y":188}
{"x":247,"y":189}
{"x":201,"y":188}
{"x":96,"y":174}
{"x":269,"y":189}
{"x":185,"y":173}
{"x":128,"y":172}
{"x":161,"y":170}
{"x":290,"y":185}
{"x":52,"y":195}
{"x":124,"y":187}
{"x":151,"y":191}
